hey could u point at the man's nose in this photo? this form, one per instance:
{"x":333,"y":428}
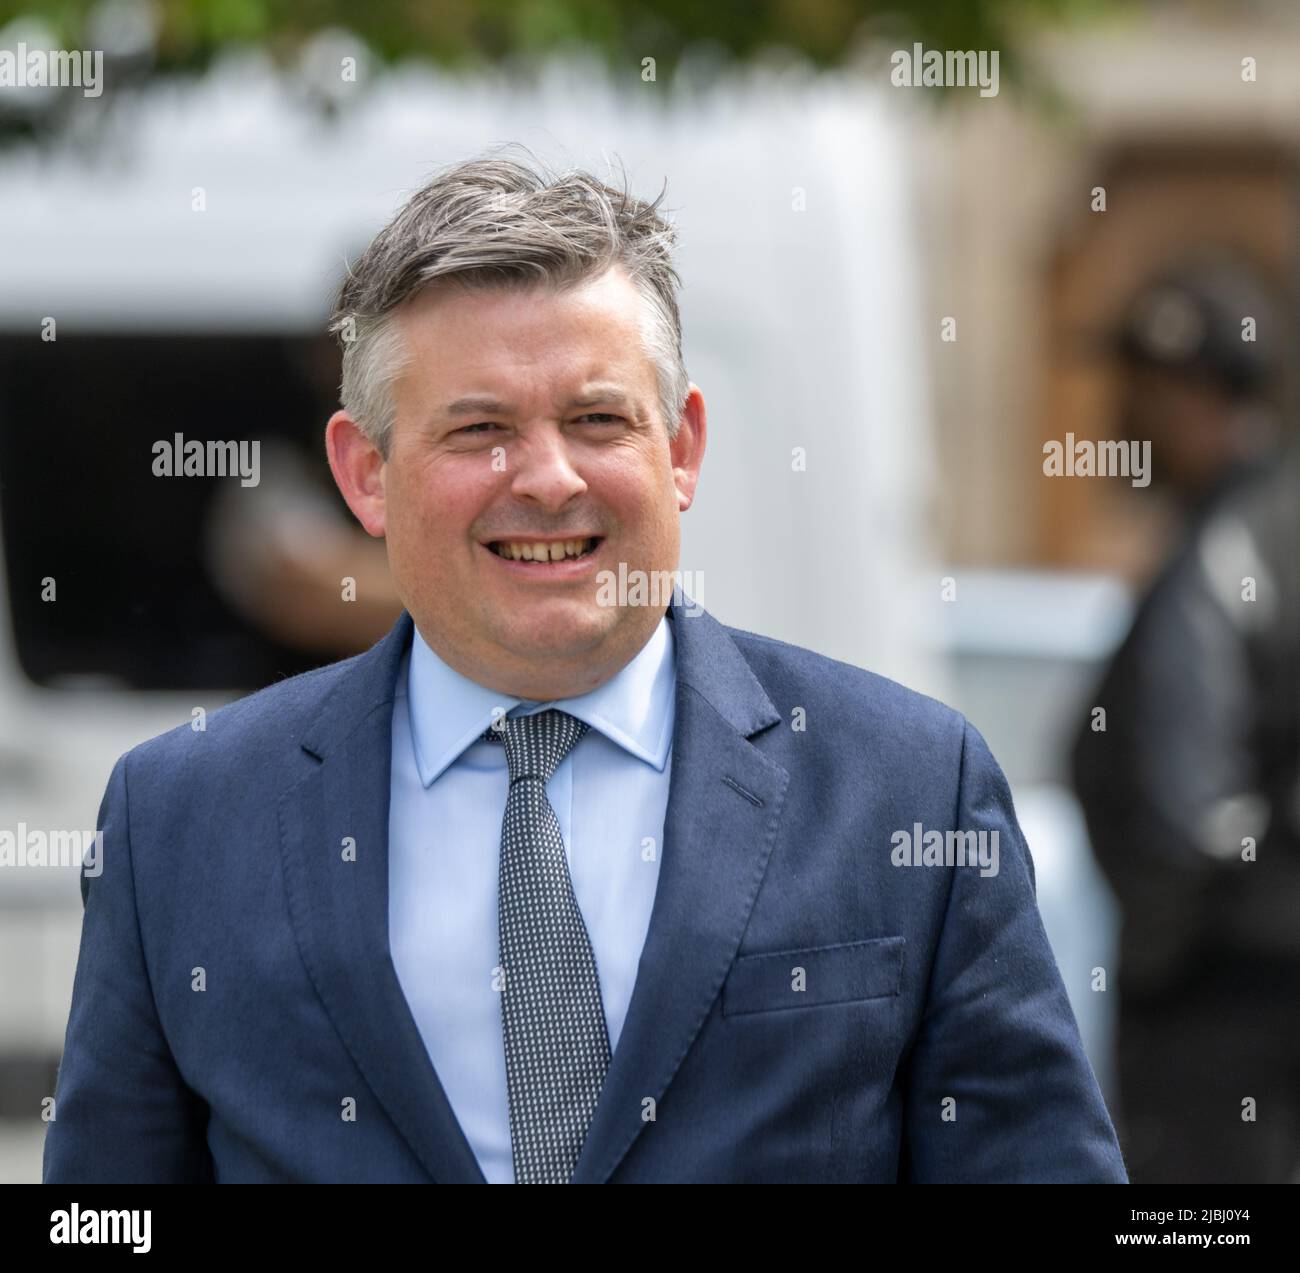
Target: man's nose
{"x":543,"y":469}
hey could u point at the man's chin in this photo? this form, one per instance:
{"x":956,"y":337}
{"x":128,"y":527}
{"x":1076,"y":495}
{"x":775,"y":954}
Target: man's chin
{"x":556,"y":627}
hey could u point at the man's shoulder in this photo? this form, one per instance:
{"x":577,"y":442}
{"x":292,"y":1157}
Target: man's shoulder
{"x":792,"y":673}
{"x":249,"y":731}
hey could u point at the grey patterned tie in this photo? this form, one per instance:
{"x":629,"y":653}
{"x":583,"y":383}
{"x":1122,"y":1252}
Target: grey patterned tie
{"x":556,"y":1044}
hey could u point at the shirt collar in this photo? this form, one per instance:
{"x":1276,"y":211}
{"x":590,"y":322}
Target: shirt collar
{"x":633,"y":709}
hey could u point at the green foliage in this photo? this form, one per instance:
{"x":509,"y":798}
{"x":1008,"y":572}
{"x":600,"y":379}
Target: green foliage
{"x":466,"y":33}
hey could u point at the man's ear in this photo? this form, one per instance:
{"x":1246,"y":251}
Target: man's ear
{"x":687,"y":448}
{"x":358,"y":470}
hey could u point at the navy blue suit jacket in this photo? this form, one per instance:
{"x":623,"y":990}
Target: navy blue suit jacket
{"x":931,"y":1039}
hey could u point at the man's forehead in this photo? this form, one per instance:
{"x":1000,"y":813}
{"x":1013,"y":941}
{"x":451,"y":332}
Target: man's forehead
{"x":613,"y":284}
{"x":480,"y":376}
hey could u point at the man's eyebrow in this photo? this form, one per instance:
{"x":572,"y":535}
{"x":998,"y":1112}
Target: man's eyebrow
{"x":479,"y":404}
{"x":610,"y":394}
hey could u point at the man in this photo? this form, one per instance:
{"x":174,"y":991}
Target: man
{"x":1192,"y":788}
{"x":555,"y":884}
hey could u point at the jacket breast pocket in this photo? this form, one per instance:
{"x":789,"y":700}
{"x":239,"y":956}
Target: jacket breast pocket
{"x":813,"y":976}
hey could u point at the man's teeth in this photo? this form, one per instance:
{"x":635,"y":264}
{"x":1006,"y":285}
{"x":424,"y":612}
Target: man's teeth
{"x":544,"y":552}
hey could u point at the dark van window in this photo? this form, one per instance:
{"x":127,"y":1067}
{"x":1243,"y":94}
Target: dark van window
{"x":80,"y":504}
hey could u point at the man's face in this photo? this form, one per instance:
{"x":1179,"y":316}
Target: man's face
{"x":525,"y":418}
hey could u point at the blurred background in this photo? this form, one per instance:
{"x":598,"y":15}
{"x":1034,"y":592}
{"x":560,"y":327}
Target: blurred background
{"x":895,"y":296}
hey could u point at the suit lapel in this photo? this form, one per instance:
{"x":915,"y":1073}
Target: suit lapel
{"x":724,"y":806}
{"x":339,"y":909}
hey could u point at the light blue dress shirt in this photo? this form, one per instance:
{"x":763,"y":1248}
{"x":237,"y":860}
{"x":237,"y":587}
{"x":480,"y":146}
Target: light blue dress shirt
{"x":449,"y":791}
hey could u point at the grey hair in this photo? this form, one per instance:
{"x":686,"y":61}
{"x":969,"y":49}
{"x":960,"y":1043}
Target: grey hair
{"x":494,"y":222}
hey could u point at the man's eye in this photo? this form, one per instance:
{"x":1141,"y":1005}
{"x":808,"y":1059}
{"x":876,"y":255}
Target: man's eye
{"x":599,"y":417}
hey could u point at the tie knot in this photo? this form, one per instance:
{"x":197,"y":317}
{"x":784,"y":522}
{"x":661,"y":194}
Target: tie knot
{"x":535,"y":745}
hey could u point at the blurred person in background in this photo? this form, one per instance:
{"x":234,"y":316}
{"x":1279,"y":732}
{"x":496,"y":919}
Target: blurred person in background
{"x":283,"y":562}
{"x":1190,"y":783}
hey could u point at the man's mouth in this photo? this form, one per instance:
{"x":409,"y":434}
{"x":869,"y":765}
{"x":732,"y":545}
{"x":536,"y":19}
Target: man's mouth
{"x":544,"y":550}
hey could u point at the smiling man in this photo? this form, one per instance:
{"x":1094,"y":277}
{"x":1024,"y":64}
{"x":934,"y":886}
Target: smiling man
{"x":545,"y":889}
{"x":527,"y":453}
